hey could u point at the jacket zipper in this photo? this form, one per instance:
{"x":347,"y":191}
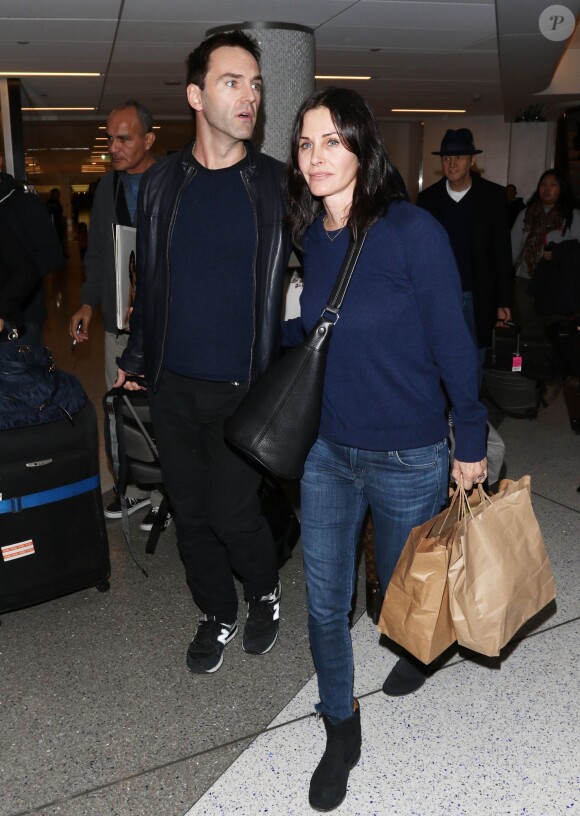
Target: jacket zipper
{"x":254,"y":265}
{"x":190,"y":172}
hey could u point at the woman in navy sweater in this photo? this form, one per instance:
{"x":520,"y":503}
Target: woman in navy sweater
{"x":383,"y":434}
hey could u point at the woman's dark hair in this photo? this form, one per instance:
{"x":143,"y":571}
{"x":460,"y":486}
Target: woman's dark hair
{"x":565,"y":202}
{"x":198,"y":60}
{"x":358,"y":131}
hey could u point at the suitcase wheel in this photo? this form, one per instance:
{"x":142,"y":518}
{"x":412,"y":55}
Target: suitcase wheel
{"x":104,"y":586}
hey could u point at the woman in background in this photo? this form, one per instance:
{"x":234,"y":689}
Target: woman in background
{"x":383,"y":434}
{"x":549,"y":218}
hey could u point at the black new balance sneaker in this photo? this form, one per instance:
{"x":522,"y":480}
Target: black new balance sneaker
{"x":150,"y":518}
{"x":261,"y":629}
{"x":114,"y":509}
{"x":206,"y":650}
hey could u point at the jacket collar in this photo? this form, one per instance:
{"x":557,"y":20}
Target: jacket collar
{"x":7,"y":185}
{"x":251,"y":153}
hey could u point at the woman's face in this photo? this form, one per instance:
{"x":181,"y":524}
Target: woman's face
{"x":549,"y":189}
{"x":327,"y":166}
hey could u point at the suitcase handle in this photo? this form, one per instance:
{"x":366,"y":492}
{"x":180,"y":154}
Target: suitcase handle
{"x":510,"y":324}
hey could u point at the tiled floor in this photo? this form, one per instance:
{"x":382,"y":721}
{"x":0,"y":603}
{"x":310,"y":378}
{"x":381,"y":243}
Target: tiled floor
{"x":98,"y":714}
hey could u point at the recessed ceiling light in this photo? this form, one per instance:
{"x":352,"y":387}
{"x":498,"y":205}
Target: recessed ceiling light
{"x":58,"y":109}
{"x":104,"y":127}
{"x":38,"y":149}
{"x":49,"y":73}
{"x":331,"y":76}
{"x":427,"y":110}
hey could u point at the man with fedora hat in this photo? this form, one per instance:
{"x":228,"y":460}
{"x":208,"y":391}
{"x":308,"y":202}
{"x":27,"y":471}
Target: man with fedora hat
{"x":473,"y":212}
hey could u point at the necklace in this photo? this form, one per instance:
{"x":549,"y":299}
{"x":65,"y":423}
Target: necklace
{"x":334,"y":237}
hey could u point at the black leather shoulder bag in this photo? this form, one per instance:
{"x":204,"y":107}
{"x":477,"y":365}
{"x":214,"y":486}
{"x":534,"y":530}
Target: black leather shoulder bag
{"x":277,"y":422}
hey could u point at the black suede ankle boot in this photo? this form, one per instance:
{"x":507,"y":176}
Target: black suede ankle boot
{"x":329,"y":780}
{"x":407,"y":675}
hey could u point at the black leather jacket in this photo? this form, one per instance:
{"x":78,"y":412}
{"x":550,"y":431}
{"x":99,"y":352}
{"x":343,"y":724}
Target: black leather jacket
{"x":160,"y":193}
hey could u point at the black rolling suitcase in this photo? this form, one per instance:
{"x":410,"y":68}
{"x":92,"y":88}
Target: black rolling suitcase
{"x":518,"y":393}
{"x":53,"y":538}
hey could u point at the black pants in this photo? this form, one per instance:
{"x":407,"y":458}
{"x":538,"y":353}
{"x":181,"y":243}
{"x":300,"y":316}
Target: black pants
{"x":214,"y":494}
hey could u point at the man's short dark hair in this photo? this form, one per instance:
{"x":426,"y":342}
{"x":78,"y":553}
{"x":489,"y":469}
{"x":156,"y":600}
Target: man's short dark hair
{"x":143,"y":114}
{"x":198,"y":60}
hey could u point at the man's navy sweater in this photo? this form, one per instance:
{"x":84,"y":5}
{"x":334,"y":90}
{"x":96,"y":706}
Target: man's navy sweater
{"x":212,"y":284}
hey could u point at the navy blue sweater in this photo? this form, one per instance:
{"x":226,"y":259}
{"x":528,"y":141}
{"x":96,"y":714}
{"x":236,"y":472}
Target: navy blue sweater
{"x":212,"y":298}
{"x":401,"y":331}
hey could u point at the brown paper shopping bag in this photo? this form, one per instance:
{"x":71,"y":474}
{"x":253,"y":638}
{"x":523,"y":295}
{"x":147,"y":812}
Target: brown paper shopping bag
{"x":499,"y":575}
{"x":415,"y":612}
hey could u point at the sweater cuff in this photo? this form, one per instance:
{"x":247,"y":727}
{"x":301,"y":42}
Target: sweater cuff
{"x":470,"y":440}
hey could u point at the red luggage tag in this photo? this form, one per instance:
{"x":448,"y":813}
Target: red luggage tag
{"x":517,"y":362}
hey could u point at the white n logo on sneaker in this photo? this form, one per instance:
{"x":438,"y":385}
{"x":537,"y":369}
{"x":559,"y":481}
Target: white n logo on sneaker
{"x":276,"y":610}
{"x":223,"y":635}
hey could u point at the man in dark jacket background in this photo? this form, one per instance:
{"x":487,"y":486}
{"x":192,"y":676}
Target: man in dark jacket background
{"x":25,"y":214}
{"x":18,"y":277}
{"x":130,"y":139}
{"x":473,"y":211}
{"x":211,"y":258}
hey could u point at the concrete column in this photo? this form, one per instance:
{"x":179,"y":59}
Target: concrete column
{"x":288,"y":65}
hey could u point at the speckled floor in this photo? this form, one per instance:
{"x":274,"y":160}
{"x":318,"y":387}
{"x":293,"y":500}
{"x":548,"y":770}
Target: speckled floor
{"x":98,"y":714}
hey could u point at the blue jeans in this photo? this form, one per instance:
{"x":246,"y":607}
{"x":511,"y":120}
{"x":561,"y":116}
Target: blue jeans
{"x":403,"y":489}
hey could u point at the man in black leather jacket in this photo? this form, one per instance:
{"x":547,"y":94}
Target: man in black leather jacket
{"x":211,"y":257}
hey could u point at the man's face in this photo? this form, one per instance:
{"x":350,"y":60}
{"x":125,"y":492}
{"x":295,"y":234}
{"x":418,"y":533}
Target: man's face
{"x":128,"y":146}
{"x":456,"y":170}
{"x":229,"y":102}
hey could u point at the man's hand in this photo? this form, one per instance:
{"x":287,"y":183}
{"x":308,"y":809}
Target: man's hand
{"x":128,"y":384}
{"x":79,"y":324}
{"x":469,"y":473}
{"x":1,"y":324}
{"x":503,"y":313}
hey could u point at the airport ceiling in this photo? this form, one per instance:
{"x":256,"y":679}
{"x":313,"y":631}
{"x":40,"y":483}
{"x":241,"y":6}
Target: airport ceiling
{"x":488,"y":57}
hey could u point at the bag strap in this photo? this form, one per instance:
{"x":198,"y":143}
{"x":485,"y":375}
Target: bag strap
{"x":118,"y":462}
{"x":345,"y":274}
{"x":142,"y":427}
{"x":112,"y":404}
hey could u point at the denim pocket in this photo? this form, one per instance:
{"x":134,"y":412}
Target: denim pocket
{"x":426,"y":457}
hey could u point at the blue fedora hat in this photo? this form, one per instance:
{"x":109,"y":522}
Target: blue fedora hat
{"x":457,"y":143}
